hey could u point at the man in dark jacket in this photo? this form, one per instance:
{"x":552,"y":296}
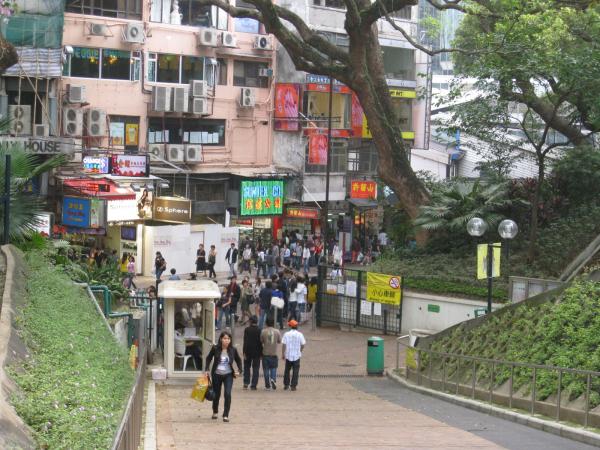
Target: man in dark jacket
{"x":264,"y":298}
{"x":233,"y":292}
{"x":231,"y":257}
{"x":252,"y":353}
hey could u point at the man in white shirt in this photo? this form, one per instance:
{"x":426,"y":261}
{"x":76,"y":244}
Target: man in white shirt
{"x":382,"y":238}
{"x":291,"y":351}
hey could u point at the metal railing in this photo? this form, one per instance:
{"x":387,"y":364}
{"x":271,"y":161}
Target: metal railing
{"x":457,"y":374}
{"x":129,"y":433}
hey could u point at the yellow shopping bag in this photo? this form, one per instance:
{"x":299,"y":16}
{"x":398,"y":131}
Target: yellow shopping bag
{"x":200,"y":388}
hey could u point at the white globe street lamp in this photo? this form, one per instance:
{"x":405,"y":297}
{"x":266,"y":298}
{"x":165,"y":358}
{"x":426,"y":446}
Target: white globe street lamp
{"x":476,"y":227}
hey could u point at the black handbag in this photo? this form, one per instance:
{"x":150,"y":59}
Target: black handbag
{"x":210,"y":394}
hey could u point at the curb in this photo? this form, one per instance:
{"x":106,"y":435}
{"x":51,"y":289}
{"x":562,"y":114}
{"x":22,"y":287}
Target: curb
{"x":149,"y":432}
{"x":566,"y":431}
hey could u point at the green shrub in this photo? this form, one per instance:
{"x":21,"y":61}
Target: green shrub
{"x":76,"y":380}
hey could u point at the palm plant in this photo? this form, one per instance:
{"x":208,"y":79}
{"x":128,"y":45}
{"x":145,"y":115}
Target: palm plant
{"x":25,"y":206}
{"x":455,"y":203}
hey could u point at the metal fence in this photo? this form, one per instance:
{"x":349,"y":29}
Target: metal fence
{"x":129,"y":433}
{"x":536,"y":388}
{"x":341,"y":300}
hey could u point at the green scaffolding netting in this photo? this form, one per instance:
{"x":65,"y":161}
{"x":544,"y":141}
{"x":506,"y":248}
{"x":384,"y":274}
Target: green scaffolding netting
{"x":37,"y":23}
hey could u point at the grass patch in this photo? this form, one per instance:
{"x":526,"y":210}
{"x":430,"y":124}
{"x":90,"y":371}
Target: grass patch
{"x":76,"y":380}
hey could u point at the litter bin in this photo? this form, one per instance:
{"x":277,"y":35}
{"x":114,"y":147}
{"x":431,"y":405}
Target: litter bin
{"x":375,"y":356}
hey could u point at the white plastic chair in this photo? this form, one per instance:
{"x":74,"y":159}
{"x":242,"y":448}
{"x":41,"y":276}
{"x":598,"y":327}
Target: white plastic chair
{"x":180,"y":353}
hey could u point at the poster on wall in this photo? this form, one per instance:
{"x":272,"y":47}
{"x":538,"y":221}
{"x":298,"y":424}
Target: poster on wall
{"x":117,"y":134}
{"x":287,"y":106}
{"x":96,"y":213}
{"x":261,"y":198}
{"x":317,"y":149}
{"x":357,"y":117}
{"x":144,"y":204}
{"x":131,"y":134}
{"x":130,"y":165}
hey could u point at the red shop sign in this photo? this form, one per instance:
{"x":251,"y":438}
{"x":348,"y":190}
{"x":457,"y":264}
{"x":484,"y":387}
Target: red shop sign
{"x":302,"y":213}
{"x":363,"y":189}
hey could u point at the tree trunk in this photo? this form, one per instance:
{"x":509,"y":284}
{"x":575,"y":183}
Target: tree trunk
{"x":8,"y":55}
{"x":533,"y":231}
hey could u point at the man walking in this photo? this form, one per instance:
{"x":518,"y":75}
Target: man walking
{"x":231,"y":257}
{"x":252,"y":352}
{"x":291,"y":351}
{"x":269,"y":338}
{"x":246,"y":257}
{"x":264,"y":298}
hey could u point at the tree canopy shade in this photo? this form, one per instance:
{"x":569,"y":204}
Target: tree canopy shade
{"x":360,"y":67}
{"x":541,"y":53}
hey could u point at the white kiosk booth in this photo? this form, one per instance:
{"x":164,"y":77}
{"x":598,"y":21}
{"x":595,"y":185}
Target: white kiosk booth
{"x":189,"y":324}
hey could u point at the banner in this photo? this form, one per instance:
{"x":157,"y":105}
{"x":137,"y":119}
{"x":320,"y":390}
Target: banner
{"x":301,"y":212}
{"x":482,"y":256}
{"x":357,"y":116}
{"x":363,"y":189}
{"x":130,"y":165}
{"x":144,"y":204}
{"x":261,"y":198}
{"x":383,"y":288}
{"x":121,"y":210}
{"x":171,"y":209}
{"x":317,"y":149}
{"x":287,"y":106}
{"x":131,"y":134}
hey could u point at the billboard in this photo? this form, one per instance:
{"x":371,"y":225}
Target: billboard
{"x":287,"y":106}
{"x":363,"y":189}
{"x":261,"y":198}
{"x":96,"y":164}
{"x":317,"y":149}
{"x":130,"y":165}
{"x":172,"y":209}
{"x":76,"y":212}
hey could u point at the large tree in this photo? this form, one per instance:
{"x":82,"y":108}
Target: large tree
{"x":360,"y":67}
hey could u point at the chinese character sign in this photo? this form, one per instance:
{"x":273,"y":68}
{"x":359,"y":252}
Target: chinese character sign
{"x":363,"y":189}
{"x":76,"y":212}
{"x":261,"y":198}
{"x":383,"y":288}
{"x":317,"y":149}
{"x":302,"y":213}
{"x":287,"y":101}
{"x":130,"y":165}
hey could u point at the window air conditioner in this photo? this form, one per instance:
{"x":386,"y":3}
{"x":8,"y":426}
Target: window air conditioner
{"x":134,"y":33}
{"x":207,"y":37}
{"x":72,"y":122}
{"x":264,"y":72}
{"x":199,"y":106}
{"x":193,"y":153}
{"x":175,"y":153}
{"x":40,"y":129}
{"x":20,"y":119}
{"x":157,"y":150}
{"x":161,"y":98}
{"x":98,"y":29}
{"x":262,"y":43}
{"x":180,"y":99}
{"x":95,"y":122}
{"x":247,"y":98}
{"x":228,"y":39}
{"x":198,"y":88}
{"x":75,"y":94}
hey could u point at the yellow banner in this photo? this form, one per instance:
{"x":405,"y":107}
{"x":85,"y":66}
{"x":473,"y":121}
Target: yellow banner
{"x":399,"y":93}
{"x":383,"y":288}
{"x":366,"y":132}
{"x":482,"y":255}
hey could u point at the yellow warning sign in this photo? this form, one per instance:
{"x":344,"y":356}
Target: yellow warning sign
{"x":383,"y":288}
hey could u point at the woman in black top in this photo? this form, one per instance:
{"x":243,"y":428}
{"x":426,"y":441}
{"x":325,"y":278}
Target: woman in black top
{"x":221,"y":372}
{"x":201,"y":259}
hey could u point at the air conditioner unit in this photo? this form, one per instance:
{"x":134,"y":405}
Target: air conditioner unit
{"x":193,"y":153}
{"x":72,"y":122}
{"x":95,"y":122}
{"x":180,"y":99}
{"x":41,"y":129}
{"x":198,"y":88}
{"x":228,"y":39}
{"x":20,"y":119}
{"x":247,"y":98}
{"x":75,"y":94}
{"x":262,"y":43}
{"x":98,"y":29}
{"x":264,"y":72}
{"x":157,"y":150}
{"x":161,"y":98}
{"x":175,"y":153}
{"x":134,"y":33}
{"x":199,"y":106}
{"x":207,"y":37}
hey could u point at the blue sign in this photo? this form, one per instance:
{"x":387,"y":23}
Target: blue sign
{"x":76,"y":212}
{"x":321,"y":79}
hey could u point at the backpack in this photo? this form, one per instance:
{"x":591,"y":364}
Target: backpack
{"x":270,"y":260}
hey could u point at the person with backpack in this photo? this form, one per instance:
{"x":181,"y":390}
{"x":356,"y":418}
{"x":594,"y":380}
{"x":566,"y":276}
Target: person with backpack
{"x":160,"y":265}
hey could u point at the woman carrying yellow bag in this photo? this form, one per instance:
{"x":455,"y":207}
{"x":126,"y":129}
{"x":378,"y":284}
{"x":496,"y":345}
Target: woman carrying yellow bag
{"x":203,"y":389}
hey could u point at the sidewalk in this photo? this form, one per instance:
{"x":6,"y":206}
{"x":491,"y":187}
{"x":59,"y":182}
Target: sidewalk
{"x":325,"y":412}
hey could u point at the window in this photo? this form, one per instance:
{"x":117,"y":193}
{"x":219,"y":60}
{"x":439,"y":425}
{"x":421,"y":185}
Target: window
{"x":124,"y":132}
{"x":222,"y":71}
{"x":403,"y":13}
{"x":338,"y":157}
{"x":330,"y":3}
{"x":123,"y":9}
{"x":105,"y":63}
{"x":245,"y":73}
{"x":210,"y":191}
{"x":166,"y":68}
{"x":246,"y":25}
{"x":362,"y":157}
{"x":399,"y":63}
{"x":191,"y":13}
{"x":174,"y":130}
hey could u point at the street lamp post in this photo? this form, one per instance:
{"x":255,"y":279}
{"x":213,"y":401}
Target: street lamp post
{"x":507,"y":230}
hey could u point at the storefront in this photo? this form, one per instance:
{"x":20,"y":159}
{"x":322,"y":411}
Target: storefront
{"x":305,"y":219}
{"x":262,"y":202}
{"x":189,"y":325}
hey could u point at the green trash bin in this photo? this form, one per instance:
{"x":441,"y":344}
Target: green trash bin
{"x":375,"y":356}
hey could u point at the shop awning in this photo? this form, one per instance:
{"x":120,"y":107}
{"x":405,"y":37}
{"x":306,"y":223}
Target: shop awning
{"x":37,"y":63}
{"x":363,"y":203}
